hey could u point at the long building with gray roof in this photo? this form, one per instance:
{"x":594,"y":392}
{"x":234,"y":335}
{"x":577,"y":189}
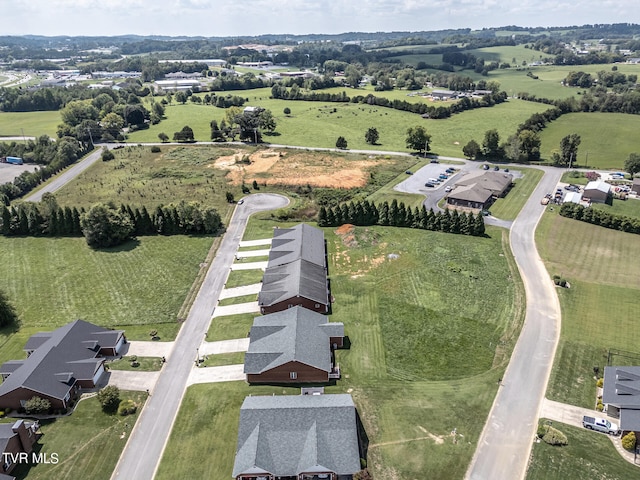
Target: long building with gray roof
{"x":293,"y":436}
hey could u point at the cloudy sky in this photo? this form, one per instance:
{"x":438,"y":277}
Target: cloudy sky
{"x":254,"y":17}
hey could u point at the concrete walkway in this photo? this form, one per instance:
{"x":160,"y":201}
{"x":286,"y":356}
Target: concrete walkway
{"x":127,"y":380}
{"x":250,"y":307}
{"x":249,"y":266}
{"x":148,"y":349}
{"x":226,"y":373}
{"x":253,"y":253}
{"x":224,"y":346}
{"x":255,"y":243}
{"x":241,"y":291}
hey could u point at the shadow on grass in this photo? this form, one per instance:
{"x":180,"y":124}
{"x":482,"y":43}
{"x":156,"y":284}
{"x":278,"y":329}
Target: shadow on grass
{"x":125,"y":247}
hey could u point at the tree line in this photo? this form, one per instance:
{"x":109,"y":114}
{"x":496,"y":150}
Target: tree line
{"x":47,"y":219}
{"x":601,"y":218}
{"x":363,"y":213}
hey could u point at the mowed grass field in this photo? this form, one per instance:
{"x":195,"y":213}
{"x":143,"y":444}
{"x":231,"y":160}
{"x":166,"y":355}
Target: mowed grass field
{"x":607,"y":139}
{"x":31,"y":124}
{"x":408,"y":321}
{"x":599,"y":310}
{"x":316,"y":124}
{"x":587,"y":455}
{"x":509,"y":207}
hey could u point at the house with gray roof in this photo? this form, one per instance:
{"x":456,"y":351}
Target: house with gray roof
{"x":621,"y":394}
{"x":479,"y":189}
{"x":470,"y":196}
{"x":297,"y":437}
{"x":296,"y":272}
{"x":15,"y":439}
{"x":293,"y":346}
{"x":59,"y":364}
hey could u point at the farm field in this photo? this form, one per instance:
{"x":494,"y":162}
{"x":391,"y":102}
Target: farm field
{"x":587,"y":455}
{"x":410,"y":385}
{"x":318,"y":124}
{"x":607,"y":139}
{"x":88,"y":443}
{"x":33,"y":124}
{"x":598,"y":311}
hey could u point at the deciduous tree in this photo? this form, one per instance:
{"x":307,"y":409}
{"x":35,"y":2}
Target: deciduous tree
{"x":418,"y":139}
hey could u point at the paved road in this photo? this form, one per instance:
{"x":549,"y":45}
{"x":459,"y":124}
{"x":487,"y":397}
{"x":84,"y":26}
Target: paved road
{"x":505,"y":444}
{"x":59,"y":181}
{"x":143,"y":451}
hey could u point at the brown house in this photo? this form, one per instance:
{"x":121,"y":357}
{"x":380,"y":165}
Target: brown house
{"x":59,"y":364}
{"x":479,"y":189}
{"x":295,"y":345}
{"x":597,"y":192}
{"x":16,"y":439}
{"x":296,"y":272}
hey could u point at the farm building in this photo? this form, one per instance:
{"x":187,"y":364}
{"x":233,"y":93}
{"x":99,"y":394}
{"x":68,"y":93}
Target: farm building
{"x":573,"y":197}
{"x":15,"y":438}
{"x":597,"y":192}
{"x":621,"y":394}
{"x":479,"y":189}
{"x":296,"y":272}
{"x":293,"y":346}
{"x":635,"y":187}
{"x":59,"y":364}
{"x":297,"y":437}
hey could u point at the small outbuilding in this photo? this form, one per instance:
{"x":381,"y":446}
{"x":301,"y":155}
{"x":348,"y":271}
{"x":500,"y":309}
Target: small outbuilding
{"x":598,"y":192}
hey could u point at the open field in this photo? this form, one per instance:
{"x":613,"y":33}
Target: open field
{"x":629,"y":208}
{"x":318,"y":124}
{"x":88,"y":442}
{"x":31,"y":124}
{"x":587,"y":455}
{"x":387,"y":193}
{"x":607,"y":139}
{"x":598,"y":311}
{"x":406,"y":322}
{"x":508,"y":208}
{"x":54,"y":281}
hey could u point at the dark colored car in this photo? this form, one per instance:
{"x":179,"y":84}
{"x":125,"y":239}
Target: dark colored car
{"x":429,"y":184}
{"x":409,"y":172}
{"x":496,"y":168}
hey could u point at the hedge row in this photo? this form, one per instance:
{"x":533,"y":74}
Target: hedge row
{"x":601,"y":218}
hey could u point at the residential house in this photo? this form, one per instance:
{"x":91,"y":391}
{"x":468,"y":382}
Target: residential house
{"x":296,"y":272}
{"x":479,"y":189}
{"x":293,"y":346}
{"x":621,"y":394}
{"x":15,"y":439}
{"x":597,"y":192}
{"x":300,"y":437}
{"x":59,"y":364}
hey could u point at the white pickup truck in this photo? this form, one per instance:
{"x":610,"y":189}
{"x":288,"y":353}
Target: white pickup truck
{"x":600,"y":425}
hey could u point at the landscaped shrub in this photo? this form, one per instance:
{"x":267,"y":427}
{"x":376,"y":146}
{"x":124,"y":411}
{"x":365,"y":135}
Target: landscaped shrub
{"x":127,"y":407}
{"x":134,"y":361}
{"x":600,"y":217}
{"x":600,"y":382}
{"x":109,"y":398}
{"x":553,"y":436}
{"x":600,"y":406}
{"x":629,"y":441}
{"x":38,"y":405}
{"x":155,"y":149}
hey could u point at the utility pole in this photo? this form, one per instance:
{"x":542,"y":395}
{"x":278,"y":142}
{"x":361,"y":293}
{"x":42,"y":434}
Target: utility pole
{"x":90,"y":136}
{"x":24,"y":139}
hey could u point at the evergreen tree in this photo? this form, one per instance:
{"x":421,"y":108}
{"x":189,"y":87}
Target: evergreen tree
{"x":53,"y":226}
{"x":331,"y":217}
{"x":77,"y":229}
{"x":409,"y":218}
{"x":5,"y":220}
{"x":430,"y":220}
{"x":465,"y":226}
{"x":148,"y":226}
{"x":383,"y":213}
{"x":402,"y":215}
{"x":344,"y":214}
{"x":393,"y":213}
{"x":479,"y":225}
{"x":68,"y":225}
{"x":445,"y":221}
{"x":455,"y":222}
{"x":322,"y":217}
{"x":23,"y":228}
{"x":359,"y":215}
{"x":374,"y":214}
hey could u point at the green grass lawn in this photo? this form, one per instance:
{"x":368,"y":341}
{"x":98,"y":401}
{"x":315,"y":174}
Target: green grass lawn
{"x":230,"y":327}
{"x":628,"y":208}
{"x":599,"y":310}
{"x":238,"y":300}
{"x":143,"y":364}
{"x":587,"y":455}
{"x":235,"y":358}
{"x":407,"y":320}
{"x":575,"y":177}
{"x":30,"y":124}
{"x":238,"y":278}
{"x":607,"y":139}
{"x":88,"y":442}
{"x":509,"y":207}
{"x":262,"y":258}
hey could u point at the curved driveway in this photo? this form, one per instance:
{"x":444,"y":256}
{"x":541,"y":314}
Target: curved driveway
{"x":505,"y":444}
{"x":143,"y":451}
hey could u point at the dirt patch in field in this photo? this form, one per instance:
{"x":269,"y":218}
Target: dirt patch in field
{"x":274,"y":167}
{"x":347,"y":233}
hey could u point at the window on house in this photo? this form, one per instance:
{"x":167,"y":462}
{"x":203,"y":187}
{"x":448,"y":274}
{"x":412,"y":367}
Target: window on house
{"x":317,"y":305}
{"x":293,"y":375}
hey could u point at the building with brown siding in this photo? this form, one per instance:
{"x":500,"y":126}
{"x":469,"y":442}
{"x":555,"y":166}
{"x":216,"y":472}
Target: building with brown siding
{"x":59,"y":364}
{"x":295,"y":345}
{"x":15,"y":438}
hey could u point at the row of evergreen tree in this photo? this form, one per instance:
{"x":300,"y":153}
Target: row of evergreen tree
{"x":47,"y":219}
{"x":397,"y":214}
{"x":600,"y":217}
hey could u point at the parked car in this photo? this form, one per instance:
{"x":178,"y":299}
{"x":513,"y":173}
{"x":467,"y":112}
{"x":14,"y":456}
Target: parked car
{"x":240,"y":202}
{"x":409,"y":172}
{"x":450,"y":170}
{"x":544,"y":201}
{"x":434,"y":160}
{"x":485,"y":167}
{"x":600,"y":425}
{"x":429,"y":185}
{"x":433,"y":180}
{"x":496,"y":168}
{"x":506,"y":170}
{"x":448,"y":188}
{"x":443,"y":176}
{"x":486,"y":213}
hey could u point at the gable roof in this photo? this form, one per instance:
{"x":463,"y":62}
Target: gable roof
{"x":597,"y":185}
{"x":67,"y":354}
{"x":471,"y":193}
{"x":299,"y":278}
{"x":302,"y":242}
{"x":621,"y":387}
{"x":292,"y":335}
{"x":573,"y":197}
{"x":496,"y":182}
{"x":288,"y":435}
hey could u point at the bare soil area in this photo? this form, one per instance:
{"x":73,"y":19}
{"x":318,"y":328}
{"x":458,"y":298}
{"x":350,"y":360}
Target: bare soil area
{"x":273,"y":167}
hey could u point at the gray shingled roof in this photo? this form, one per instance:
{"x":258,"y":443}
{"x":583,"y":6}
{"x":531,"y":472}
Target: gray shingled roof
{"x":288,"y":435}
{"x":300,"y":242}
{"x":293,"y":335}
{"x":621,"y":387}
{"x":471,"y":193}
{"x":67,"y":353}
{"x":299,"y":278}
{"x":497,"y":182}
